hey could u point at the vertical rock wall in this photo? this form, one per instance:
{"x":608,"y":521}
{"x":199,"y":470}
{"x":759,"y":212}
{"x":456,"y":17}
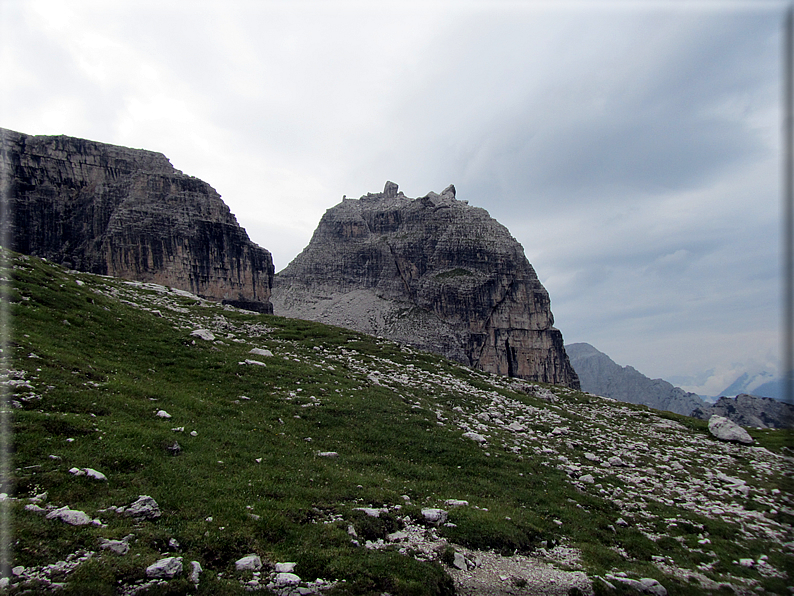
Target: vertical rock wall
{"x":127,"y":213}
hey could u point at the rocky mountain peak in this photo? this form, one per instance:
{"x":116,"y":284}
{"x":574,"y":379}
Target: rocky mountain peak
{"x":432,"y":272}
{"x":128,"y":213}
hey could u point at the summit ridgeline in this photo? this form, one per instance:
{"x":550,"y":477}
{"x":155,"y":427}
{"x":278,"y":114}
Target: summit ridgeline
{"x":431,"y":272}
{"x":128,"y":213}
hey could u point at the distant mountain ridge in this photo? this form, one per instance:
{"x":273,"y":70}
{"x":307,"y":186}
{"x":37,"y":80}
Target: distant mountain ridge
{"x":599,"y":374}
{"x":750,"y":410}
{"x":764,"y":384}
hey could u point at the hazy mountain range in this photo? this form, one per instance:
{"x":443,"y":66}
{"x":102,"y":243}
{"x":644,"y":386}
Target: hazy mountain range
{"x":599,"y":374}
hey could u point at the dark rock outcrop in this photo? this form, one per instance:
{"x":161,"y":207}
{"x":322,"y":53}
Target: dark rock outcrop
{"x":128,"y":213}
{"x":599,"y":374}
{"x":431,"y":272}
{"x":750,"y":410}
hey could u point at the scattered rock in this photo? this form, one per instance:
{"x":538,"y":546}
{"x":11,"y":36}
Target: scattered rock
{"x":162,"y":414}
{"x":331,"y":454}
{"x":117,"y":546}
{"x":195,"y":571}
{"x":285,"y":567}
{"x":460,"y":562}
{"x":286,"y":579}
{"x":249,"y":562}
{"x":645,"y":585}
{"x":261,"y":352}
{"x":91,"y":473}
{"x":145,"y":507}
{"x":253,"y":362}
{"x":71,"y":517}
{"x":434,"y":516}
{"x":204,"y":334}
{"x":475,"y":437}
{"x":455,"y":503}
{"x":167,"y":568}
{"x":370,"y":511}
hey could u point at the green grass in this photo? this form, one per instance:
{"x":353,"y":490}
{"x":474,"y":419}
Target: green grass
{"x":101,"y":368}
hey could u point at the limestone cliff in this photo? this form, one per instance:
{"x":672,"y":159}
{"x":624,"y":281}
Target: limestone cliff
{"x":431,"y":272}
{"x":127,"y":213}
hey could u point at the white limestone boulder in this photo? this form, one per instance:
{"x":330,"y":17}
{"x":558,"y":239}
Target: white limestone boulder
{"x":727,"y":430}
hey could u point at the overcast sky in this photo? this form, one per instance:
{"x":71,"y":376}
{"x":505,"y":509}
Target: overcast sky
{"x":633,"y":148}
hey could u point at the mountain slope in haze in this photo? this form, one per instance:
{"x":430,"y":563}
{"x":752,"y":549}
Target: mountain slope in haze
{"x":599,"y":374}
{"x":371,"y":466}
{"x":764,"y":384}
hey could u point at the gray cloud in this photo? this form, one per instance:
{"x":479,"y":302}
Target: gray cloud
{"x":632,"y":152}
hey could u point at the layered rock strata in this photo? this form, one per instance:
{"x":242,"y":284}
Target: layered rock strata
{"x":432,"y":272}
{"x":127,"y":213}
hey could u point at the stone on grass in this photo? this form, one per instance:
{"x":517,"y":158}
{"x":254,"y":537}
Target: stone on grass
{"x":475,"y":437}
{"x":370,"y":511}
{"x":327,"y":454}
{"x":434,"y":516}
{"x":261,"y":352}
{"x":253,"y":362}
{"x":167,"y":568}
{"x":727,"y":430}
{"x":92,"y":473}
{"x":455,"y":503}
{"x":587,"y":479}
{"x":117,"y":546}
{"x":286,"y":579}
{"x":70,"y":516}
{"x":195,"y":571}
{"x":249,"y":562}
{"x":204,"y":334}
{"x":285,"y":567}
{"x":145,"y":507}
{"x":162,"y":414}
{"x":646,"y":585}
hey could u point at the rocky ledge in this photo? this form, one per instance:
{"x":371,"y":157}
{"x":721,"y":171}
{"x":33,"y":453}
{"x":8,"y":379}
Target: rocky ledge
{"x":432,"y":272}
{"x":128,"y":213}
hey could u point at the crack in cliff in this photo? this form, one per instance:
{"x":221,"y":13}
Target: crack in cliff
{"x":402,"y":275}
{"x":487,"y":325}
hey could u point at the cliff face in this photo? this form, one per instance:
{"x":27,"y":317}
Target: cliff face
{"x":127,"y":213}
{"x":599,"y":374}
{"x":431,"y":272}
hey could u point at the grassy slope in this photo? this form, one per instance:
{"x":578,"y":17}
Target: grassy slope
{"x":100,"y":369}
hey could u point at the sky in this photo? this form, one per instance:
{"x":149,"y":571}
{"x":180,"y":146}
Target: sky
{"x":633,"y":148}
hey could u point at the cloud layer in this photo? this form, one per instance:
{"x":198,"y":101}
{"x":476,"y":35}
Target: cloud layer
{"x":632,"y":148}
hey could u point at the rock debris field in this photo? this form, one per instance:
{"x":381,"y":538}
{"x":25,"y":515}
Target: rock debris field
{"x":655,"y":469}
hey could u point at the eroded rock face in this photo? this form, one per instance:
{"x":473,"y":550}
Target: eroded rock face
{"x":750,"y":410}
{"x":431,"y":272}
{"x":128,"y":213}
